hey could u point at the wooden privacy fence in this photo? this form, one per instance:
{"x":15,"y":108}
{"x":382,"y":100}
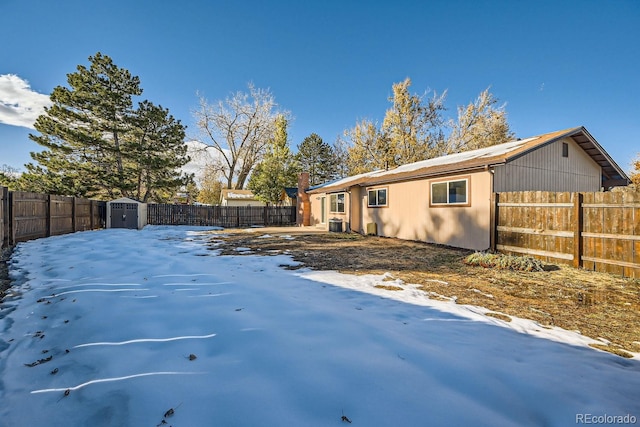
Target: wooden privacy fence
{"x":25,"y":216}
{"x":596,"y":231}
{"x":222,"y":216}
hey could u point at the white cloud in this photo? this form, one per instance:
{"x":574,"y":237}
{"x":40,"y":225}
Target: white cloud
{"x":19,"y":105}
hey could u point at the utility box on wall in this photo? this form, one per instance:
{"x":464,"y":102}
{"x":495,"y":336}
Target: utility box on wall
{"x":126,"y":213}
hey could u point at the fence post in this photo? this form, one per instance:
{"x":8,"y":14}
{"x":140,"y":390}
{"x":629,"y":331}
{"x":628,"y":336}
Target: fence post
{"x":577,"y":229}
{"x":4,"y":201}
{"x":91,"y":227}
{"x":11,"y":235}
{"x":265,"y":216}
{"x":74,"y":212}
{"x":494,"y":218}
{"x":48,"y":209}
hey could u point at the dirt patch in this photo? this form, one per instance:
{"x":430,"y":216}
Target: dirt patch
{"x":598,"y":305}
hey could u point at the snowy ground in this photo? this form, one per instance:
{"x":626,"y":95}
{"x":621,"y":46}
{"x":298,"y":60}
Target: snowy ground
{"x":152,"y":328}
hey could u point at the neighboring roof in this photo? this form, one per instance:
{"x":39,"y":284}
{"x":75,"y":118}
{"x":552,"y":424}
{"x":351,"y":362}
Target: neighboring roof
{"x":291,"y":192}
{"x":484,"y":158}
{"x":232,"y":194}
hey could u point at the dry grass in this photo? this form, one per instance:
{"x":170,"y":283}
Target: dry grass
{"x":598,"y":305}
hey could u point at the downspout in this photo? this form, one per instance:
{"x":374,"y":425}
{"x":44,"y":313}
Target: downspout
{"x":348,"y":227}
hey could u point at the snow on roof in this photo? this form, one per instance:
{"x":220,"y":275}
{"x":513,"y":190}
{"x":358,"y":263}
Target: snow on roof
{"x":231,"y":194}
{"x":487,"y":152}
{"x":344,"y":182}
{"x":467,"y":160}
{"x":239,"y":196}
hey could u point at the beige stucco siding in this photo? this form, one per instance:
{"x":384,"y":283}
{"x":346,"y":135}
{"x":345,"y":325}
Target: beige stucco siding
{"x":409,"y":216}
{"x":546,"y":170}
{"x":316,"y":210}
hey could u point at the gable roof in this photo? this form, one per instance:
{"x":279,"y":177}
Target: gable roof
{"x":125,"y":200}
{"x":291,"y":192}
{"x":485,"y":158}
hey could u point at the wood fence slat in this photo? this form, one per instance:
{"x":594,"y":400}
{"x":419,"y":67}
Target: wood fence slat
{"x":25,"y":216}
{"x":220,"y":216}
{"x":598,"y":231}
{"x":4,"y":201}
{"x":588,"y":242}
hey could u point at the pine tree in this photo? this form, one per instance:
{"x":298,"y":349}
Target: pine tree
{"x":278,"y":169}
{"x":8,"y":176}
{"x":318,"y":158}
{"x":97,"y":145}
{"x":156,"y":151}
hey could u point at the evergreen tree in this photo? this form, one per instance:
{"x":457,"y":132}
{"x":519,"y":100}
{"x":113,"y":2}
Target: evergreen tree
{"x":8,"y":176}
{"x":156,"y":152}
{"x":278,"y":169}
{"x":97,"y":145}
{"x":318,"y":158}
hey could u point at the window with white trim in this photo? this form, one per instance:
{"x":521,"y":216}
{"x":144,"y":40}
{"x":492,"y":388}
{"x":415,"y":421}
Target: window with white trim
{"x":450,"y":192}
{"x":336,"y":203}
{"x":377,"y":197}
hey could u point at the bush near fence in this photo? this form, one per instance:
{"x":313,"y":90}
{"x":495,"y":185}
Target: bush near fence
{"x":596,"y":231}
{"x":25,"y":216}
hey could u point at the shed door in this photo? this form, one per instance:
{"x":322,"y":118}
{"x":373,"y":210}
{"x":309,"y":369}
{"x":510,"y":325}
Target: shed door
{"x":124,"y":215}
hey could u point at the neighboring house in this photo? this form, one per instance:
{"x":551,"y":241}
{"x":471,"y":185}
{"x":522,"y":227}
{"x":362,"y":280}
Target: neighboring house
{"x":289,"y":196}
{"x":447,"y":200}
{"x":230,"y":197}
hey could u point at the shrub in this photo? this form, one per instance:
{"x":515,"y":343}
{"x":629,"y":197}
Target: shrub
{"x":504,"y":262}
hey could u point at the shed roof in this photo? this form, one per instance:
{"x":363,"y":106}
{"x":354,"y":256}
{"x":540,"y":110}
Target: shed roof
{"x":483,"y":158}
{"x":125,"y":200}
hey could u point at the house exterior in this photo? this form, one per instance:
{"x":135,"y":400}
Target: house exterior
{"x":231,"y":197}
{"x":289,"y":196}
{"x":447,"y":200}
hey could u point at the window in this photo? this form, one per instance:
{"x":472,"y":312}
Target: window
{"x":378,"y":197}
{"x":450,"y":192}
{"x":336,"y":203}
{"x":565,"y":149}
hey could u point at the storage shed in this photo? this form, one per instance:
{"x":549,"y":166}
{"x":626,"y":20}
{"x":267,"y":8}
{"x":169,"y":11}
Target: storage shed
{"x":126,"y":213}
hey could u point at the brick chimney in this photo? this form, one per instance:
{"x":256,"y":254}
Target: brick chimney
{"x":302,"y":202}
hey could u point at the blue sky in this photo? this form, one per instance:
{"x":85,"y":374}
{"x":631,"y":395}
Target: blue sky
{"x":557,"y":64}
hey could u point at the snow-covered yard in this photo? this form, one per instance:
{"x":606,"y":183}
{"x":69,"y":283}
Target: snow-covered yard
{"x":153,"y":328}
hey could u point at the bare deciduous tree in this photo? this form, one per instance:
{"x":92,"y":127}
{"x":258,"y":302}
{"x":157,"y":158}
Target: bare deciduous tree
{"x":239,"y":128}
{"x":480,"y":124}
